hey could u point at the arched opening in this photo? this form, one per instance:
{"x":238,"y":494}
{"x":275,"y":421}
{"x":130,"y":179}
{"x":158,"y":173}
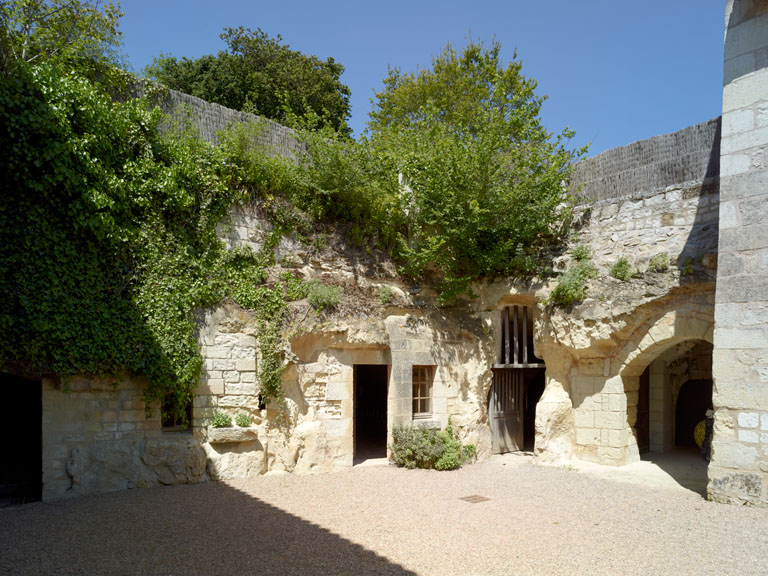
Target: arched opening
{"x":673,"y":395}
{"x":693,"y":402}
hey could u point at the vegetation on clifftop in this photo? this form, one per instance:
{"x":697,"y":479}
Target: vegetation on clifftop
{"x":261,"y":75}
{"x":108,"y":241}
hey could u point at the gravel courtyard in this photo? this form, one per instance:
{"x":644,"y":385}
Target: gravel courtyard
{"x":384,"y":520}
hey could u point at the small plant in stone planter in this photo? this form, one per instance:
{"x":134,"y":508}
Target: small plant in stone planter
{"x":243,"y":420}
{"x":220,"y":420}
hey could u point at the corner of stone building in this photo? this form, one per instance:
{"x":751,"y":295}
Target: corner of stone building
{"x":738,"y":472}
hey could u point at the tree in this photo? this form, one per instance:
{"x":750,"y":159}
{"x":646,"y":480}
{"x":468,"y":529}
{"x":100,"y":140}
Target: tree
{"x":73,"y":32}
{"x":484,"y":181}
{"x":259,"y":74}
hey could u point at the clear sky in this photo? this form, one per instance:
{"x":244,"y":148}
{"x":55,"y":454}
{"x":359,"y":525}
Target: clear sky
{"x":615,"y":71}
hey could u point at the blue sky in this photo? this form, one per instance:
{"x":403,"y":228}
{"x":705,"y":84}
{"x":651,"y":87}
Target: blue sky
{"x":614,"y":71}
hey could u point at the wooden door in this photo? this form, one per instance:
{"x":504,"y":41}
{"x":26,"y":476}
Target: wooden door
{"x":506,"y":411}
{"x":642,"y":424}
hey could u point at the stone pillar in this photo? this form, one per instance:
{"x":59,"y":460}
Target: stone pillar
{"x":555,"y":418}
{"x":739,"y":467}
{"x":662,"y":411}
{"x":410,"y":339}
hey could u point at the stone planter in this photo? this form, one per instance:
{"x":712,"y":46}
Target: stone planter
{"x":232,"y":434}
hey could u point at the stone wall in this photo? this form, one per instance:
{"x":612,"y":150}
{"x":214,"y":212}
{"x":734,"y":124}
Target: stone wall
{"x":97,"y":437}
{"x":680,"y":221}
{"x":313,"y":430}
{"x":739,"y":469}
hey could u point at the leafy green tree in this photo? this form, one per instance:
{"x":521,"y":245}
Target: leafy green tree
{"x":260,"y":74}
{"x":74,"y":32}
{"x":483,"y":183}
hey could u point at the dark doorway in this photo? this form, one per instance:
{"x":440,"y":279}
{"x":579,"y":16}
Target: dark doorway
{"x":21,"y":474}
{"x":534,"y":390}
{"x":370,"y":411}
{"x":693,"y":401}
{"x":643,"y":420}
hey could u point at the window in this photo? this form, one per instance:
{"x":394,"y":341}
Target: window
{"x":175,"y":416}
{"x":422,"y":391}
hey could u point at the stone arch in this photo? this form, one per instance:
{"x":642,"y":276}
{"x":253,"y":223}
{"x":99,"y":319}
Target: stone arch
{"x":649,"y":355}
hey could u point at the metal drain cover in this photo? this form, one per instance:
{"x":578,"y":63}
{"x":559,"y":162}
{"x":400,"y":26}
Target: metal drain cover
{"x":474,"y":499}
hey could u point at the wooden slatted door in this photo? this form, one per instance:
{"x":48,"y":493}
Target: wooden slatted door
{"x":505,"y":410}
{"x":515,"y":361}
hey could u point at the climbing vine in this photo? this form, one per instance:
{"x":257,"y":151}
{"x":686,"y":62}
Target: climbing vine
{"x":108,"y":239}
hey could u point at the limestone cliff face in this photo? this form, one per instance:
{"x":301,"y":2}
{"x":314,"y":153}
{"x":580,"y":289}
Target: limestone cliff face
{"x":591,"y":350}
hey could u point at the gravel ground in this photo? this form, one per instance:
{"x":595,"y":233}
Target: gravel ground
{"x":384,"y":520}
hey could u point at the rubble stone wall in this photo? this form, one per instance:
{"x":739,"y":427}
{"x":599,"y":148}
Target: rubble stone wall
{"x":679,"y":221}
{"x":739,"y":468}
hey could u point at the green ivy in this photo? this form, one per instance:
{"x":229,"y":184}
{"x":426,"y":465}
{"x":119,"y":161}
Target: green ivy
{"x":108,"y":239}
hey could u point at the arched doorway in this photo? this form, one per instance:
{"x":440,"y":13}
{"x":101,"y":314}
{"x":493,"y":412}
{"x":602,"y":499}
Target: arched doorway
{"x":674,"y":393}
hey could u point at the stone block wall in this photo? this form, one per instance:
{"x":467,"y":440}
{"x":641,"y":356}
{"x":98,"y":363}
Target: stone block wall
{"x":97,"y":437}
{"x":679,"y":221}
{"x":739,"y":468}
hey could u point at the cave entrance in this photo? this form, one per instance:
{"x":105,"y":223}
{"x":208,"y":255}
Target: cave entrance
{"x":518,"y":383}
{"x":370,"y":411}
{"x":21,"y":475}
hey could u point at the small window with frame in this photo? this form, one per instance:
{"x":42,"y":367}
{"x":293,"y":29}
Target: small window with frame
{"x":422,"y":391}
{"x":176,"y":413}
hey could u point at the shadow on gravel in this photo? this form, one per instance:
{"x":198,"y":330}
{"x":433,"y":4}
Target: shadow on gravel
{"x":685,"y":466}
{"x":202,"y":529}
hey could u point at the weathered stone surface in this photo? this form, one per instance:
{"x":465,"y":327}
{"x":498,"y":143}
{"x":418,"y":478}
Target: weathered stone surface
{"x":175,"y":459}
{"x":107,"y":466}
{"x":225,"y":435}
{"x":239,"y":460}
{"x":554,"y":426}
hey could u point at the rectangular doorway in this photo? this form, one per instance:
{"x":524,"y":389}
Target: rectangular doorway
{"x":512,"y":401}
{"x":370,"y":412}
{"x":21,"y":475}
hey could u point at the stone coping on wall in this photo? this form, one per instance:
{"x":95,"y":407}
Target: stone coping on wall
{"x":230,"y":435}
{"x":688,"y":155}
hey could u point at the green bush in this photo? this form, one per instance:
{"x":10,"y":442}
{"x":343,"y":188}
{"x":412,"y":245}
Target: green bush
{"x":659,"y":263}
{"x":420,"y":447}
{"x":687,"y":268}
{"x":321,"y":296}
{"x":243,"y":420}
{"x":220,"y":420}
{"x":621,"y":270}
{"x":572,"y":285}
